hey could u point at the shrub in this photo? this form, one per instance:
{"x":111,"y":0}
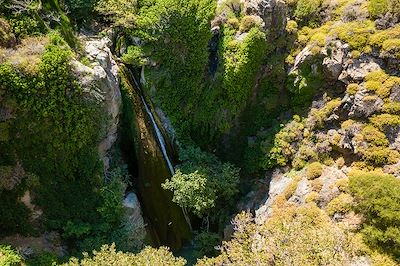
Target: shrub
{"x":119,"y":12}
{"x":352,"y":88}
{"x":312,"y":197}
{"x":134,"y":56}
{"x":291,"y":26}
{"x":306,"y":233}
{"x":247,"y":23}
{"x":392,"y":108}
{"x":307,"y":11}
{"x":341,"y":204}
{"x":9,"y":257}
{"x":284,"y":145}
{"x":392,"y":47}
{"x":205,"y":244}
{"x":380,"y":156}
{"x":377,"y":7}
{"x":374,"y":136}
{"x":108,"y":255}
{"x":376,"y":196}
{"x":233,"y":23}
{"x":314,"y":170}
{"x":343,"y":184}
{"x":383,"y":121}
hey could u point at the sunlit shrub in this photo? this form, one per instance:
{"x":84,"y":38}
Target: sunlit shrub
{"x":314,"y":170}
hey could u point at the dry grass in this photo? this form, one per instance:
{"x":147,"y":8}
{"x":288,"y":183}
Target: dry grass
{"x":26,"y":56}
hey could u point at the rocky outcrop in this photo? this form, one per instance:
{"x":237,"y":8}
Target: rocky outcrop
{"x":272,"y":13}
{"x":100,"y":79}
{"x":134,"y":222}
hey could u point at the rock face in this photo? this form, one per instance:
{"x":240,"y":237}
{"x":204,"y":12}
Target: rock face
{"x":272,"y":13}
{"x":101,"y":80}
{"x":134,"y":220}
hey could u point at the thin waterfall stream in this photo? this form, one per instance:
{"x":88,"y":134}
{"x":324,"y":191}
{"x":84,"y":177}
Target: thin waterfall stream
{"x":159,"y":135}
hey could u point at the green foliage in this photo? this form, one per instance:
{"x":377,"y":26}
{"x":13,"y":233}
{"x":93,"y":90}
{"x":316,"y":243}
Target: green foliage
{"x":108,"y":255}
{"x":341,"y":204}
{"x":307,"y":11}
{"x":292,"y":236}
{"x":9,"y":257}
{"x":82,"y":10}
{"x":60,"y":127}
{"x":314,"y":170}
{"x":192,"y":192}
{"x":247,"y":23}
{"x":43,"y":259}
{"x":133,"y":56}
{"x":241,"y":64}
{"x":205,"y":243}
{"x":202,"y":181}
{"x":377,"y":198}
{"x":282,"y":149}
{"x":379,"y":8}
{"x":119,"y":12}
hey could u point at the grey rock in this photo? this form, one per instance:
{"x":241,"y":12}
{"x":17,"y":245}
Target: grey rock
{"x":335,"y":53}
{"x":357,"y":69}
{"x":278,"y":184}
{"x":100,"y":80}
{"x":363,"y":106}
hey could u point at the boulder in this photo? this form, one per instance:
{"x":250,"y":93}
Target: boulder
{"x":332,"y":64}
{"x":364,"y":104}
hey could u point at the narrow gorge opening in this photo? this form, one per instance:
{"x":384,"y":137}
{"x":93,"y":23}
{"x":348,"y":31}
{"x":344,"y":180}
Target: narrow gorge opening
{"x":145,"y":151}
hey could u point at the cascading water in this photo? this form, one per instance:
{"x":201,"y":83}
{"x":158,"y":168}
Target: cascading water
{"x":159,"y":135}
{"x":145,"y":148}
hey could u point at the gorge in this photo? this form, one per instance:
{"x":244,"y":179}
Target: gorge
{"x":199,"y":132}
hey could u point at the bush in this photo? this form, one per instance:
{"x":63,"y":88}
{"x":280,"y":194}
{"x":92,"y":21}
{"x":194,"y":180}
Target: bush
{"x":108,"y":255}
{"x":291,"y":236}
{"x":247,"y":23}
{"x":9,"y":257}
{"x":291,"y":26}
{"x":307,"y":11}
{"x":205,"y":244}
{"x":376,"y":196}
{"x":314,"y":170}
{"x":134,"y":56}
{"x":374,"y":136}
{"x":341,"y":204}
{"x":378,"y":7}
{"x":233,"y":23}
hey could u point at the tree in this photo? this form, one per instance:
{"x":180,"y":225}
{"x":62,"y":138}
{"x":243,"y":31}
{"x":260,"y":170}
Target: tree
{"x":202,"y":181}
{"x":191,"y":192}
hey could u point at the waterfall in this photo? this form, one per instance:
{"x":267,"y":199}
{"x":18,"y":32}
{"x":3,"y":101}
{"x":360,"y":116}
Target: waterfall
{"x":160,"y":137}
{"x":145,"y":144}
